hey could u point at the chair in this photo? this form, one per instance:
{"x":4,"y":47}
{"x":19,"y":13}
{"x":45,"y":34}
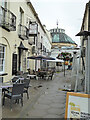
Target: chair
{"x":38,"y":74}
{"x":16,"y":94}
{"x":26,"y":82}
{"x":50,"y":74}
{"x":25,"y":75}
{"x":15,"y":78}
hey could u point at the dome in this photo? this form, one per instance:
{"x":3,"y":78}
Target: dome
{"x":59,"y":36}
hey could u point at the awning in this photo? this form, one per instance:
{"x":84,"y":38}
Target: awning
{"x":40,"y":57}
{"x":21,"y":46}
{"x":56,"y":60}
{"x":83,"y":33}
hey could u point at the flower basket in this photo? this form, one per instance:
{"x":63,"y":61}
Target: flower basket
{"x":66,"y":62}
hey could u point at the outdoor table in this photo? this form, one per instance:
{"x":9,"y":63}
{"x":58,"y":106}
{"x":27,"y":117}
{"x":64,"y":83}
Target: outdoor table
{"x":6,"y":85}
{"x":3,"y":74}
{"x":21,"y":79}
{"x":31,"y":76}
{"x":42,"y":73}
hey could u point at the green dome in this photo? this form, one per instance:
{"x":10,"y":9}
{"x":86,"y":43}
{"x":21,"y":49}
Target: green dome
{"x":59,"y":36}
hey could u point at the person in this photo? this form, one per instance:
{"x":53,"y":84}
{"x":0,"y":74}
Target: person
{"x":33,"y":72}
{"x":29,"y":70}
{"x":38,"y":72}
{"x":38,"y":69}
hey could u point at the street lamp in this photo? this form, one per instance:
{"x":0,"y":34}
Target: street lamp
{"x":87,"y":76}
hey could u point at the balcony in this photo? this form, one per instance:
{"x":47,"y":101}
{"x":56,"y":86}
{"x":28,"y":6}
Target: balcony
{"x":23,"y":32}
{"x":31,"y":41}
{"x":7,"y":19}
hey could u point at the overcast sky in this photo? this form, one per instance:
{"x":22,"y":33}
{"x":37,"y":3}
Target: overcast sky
{"x":69,"y":14}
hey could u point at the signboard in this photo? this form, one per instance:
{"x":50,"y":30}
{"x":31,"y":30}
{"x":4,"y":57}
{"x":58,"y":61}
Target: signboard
{"x":77,"y":106}
{"x":33,"y":29}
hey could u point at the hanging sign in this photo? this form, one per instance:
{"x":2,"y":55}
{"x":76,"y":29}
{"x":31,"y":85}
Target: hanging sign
{"x":33,"y":29}
{"x":77,"y":106}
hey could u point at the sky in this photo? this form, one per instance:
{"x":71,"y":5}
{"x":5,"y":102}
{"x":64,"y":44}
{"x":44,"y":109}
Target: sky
{"x":68,"y":13}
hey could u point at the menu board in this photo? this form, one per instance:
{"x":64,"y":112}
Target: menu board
{"x":77,"y":106}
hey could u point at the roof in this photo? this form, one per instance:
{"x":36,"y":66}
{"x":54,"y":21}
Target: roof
{"x":61,"y":38}
{"x":21,"y":46}
{"x":35,"y":14}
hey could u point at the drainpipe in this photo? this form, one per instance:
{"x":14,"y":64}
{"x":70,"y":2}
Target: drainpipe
{"x":36,"y":48}
{"x":86,"y":67}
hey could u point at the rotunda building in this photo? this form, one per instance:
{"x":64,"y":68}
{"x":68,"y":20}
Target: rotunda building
{"x":60,"y":39}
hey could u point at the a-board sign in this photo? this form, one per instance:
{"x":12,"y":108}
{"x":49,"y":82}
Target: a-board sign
{"x":77,"y":106}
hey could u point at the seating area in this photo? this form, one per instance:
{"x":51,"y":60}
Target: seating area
{"x":46,"y":73}
{"x":20,"y":84}
{"x":15,"y":88}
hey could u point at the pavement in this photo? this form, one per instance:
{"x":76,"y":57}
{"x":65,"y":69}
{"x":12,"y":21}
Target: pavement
{"x":47,"y":99}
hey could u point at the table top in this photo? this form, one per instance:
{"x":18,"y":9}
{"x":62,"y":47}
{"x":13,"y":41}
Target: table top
{"x":21,"y":78}
{"x":31,"y":75}
{"x":3,"y":74}
{"x":6,"y":85}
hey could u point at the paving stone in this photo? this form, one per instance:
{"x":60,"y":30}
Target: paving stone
{"x":58,"y":101}
{"x":37,"y":113}
{"x":51,"y":116}
{"x":45,"y":102}
{"x":56,"y":111}
{"x":55,"y":105}
{"x":41,"y":106}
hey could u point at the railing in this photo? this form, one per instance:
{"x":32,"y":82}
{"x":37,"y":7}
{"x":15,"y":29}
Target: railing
{"x":23,"y":32}
{"x":7,"y":19}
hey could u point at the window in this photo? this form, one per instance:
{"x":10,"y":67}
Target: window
{"x":55,"y":38}
{"x":2,"y":58}
{"x":4,"y":3}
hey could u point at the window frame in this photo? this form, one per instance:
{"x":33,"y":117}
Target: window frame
{"x":2,"y":64}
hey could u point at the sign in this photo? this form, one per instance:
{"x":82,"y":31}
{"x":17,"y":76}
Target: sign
{"x":77,"y":106}
{"x":33,"y":29}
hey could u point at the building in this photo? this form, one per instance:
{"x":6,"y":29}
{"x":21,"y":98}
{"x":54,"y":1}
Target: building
{"x":60,"y":39}
{"x":21,"y":34}
{"x":61,"y":42}
{"x":85,"y":49}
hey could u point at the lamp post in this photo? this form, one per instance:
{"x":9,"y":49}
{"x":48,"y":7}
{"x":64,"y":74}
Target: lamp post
{"x":64,"y":66}
{"x":87,"y":69}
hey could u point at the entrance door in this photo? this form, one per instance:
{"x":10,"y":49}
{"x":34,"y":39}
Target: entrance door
{"x":14,"y":64}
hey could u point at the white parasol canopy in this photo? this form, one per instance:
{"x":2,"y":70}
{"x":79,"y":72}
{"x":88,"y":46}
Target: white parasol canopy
{"x":56,"y":60}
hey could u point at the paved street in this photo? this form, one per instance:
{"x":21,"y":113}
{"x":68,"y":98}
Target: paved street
{"x":47,"y":100}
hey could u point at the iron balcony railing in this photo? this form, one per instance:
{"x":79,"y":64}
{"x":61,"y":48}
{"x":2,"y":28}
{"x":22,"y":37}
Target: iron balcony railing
{"x":7,"y":19}
{"x":23,"y":32}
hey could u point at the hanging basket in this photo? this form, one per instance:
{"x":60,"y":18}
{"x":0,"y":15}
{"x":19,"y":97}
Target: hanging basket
{"x":66,"y":62}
